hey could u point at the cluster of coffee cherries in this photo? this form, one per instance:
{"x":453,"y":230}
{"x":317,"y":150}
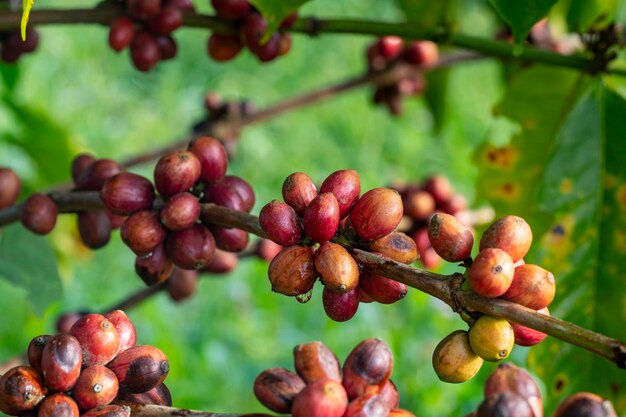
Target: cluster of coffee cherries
{"x":252,"y":28}
{"x":388,"y":51}
{"x":85,"y":370}
{"x":498,"y":270}
{"x":321,"y":387}
{"x":147,"y":28}
{"x":421,"y":200}
{"x":308,"y":223}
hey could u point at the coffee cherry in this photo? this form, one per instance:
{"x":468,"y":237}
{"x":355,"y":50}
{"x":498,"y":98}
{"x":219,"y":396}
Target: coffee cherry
{"x":140,"y":368}
{"x":182,"y":284}
{"x":525,"y":336}
{"x":418,"y":204}
{"x":363,"y":296}
{"x":585,"y":404}
{"x":422,"y":53}
{"x":222,"y":48}
{"x":400,"y":412}
{"x":9,"y":187}
{"x":176,"y":172}
{"x":321,"y":218}
{"x":455,"y":205}
{"x":121,"y":32}
{"x":389,"y":394}
{"x":97,"y":386}
{"x":80,"y":164}
{"x":340,"y":306}
{"x":532,"y":287}
{"x":98,"y":338}
{"x":61,"y":360}
{"x":39,"y":214}
{"x":382,"y":289}
{"x":492,"y":339}
{"x":367,"y":405}
{"x":292,"y":271}
{"x":338,"y":270}
{"x":314,"y":361}
{"x":35,"y":348}
{"x":377,"y":213}
{"x":159,"y":395}
{"x":184,"y":5}
{"x":243,"y":188}
{"x":231,"y":9}
{"x":142,"y":232}
{"x":491,"y":272}
{"x":144,"y":51}
{"x":276,"y":389}
{"x":58,"y":405}
{"x":125,"y":329}
{"x":390,"y":46}
{"x":180,"y":212}
{"x":286,"y":41}
{"x":230,"y":239}
{"x":154,"y":267}
{"x":94,"y":175}
{"x":66,"y":321}
{"x":223,"y":262}
{"x":166,"y":21}
{"x":192,"y":248}
{"x":281,"y":223}
{"x":298,"y":191}
{"x":212,"y":156}
{"x":345,"y":185}
{"x":116,"y":221}
{"x":21,"y":389}
{"x":369,"y":364}
{"x":320,"y":398}
{"x":108,"y":411}
{"x":267,"y":250}
{"x":397,"y":246}
{"x":127,"y":193}
{"x":451,"y":239}
{"x":510,"y":378}
{"x":511,"y":234}
{"x":94,"y":228}
{"x":167,"y":46}
{"x":504,"y":404}
{"x":454,"y":360}
{"x":224,"y":195}
{"x":439,"y":187}
{"x":253,"y":29}
{"x":269,"y":50}
{"x":143,"y":9}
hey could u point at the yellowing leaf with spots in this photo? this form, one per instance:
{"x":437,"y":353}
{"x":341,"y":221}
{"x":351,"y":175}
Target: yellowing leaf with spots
{"x":27,"y":7}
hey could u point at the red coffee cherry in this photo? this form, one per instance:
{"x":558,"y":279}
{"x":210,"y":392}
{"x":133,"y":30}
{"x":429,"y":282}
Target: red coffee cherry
{"x":125,"y":329}
{"x":192,"y":248}
{"x":159,"y":395}
{"x":243,"y":188}
{"x":94,"y":228}
{"x":525,"y":336}
{"x":382,"y":289}
{"x":94,"y":175}
{"x":167,"y":46}
{"x":367,"y":405}
{"x":377,"y":213}
{"x":58,"y":405}
{"x":9,"y":187}
{"x":222,"y":263}
{"x":451,"y":239}
{"x":98,"y":338}
{"x":390,"y":46}
{"x":66,"y":321}
{"x":182,"y":284}
{"x":230,"y":239}
{"x":281,"y":223}
{"x":504,"y":404}
{"x":176,"y":172}
{"x":369,"y":364}
{"x":39,"y":214}
{"x":269,"y":50}
{"x":80,"y":164}
{"x":363,"y":296}
{"x":292,"y":271}
{"x":144,"y":51}
{"x":267,"y":250}
{"x":439,"y":187}
{"x":397,"y":246}
{"x":61,"y":360}
{"x":140,"y":368}
{"x":154,"y":267}
{"x":127,"y":193}
{"x":142,"y":232}
{"x":116,"y":221}
{"x":224,"y":195}
{"x":21,"y":389}
{"x":121,"y":32}
{"x":314,"y":361}
{"x":320,"y":398}
{"x":338,"y":270}
{"x":180,"y":212}
{"x":418,"y":204}
{"x":222,"y":48}
{"x":298,"y":191}
{"x":389,"y":394}
{"x":511,"y":234}
{"x":166,"y":21}
{"x":97,"y":386}
{"x":585,"y":404}
{"x":510,"y":378}
{"x":345,"y":185}
{"x":35,"y":349}
{"x":321,"y":218}
{"x":491,"y":272}
{"x":212,"y":156}
{"x":532,"y":287}
{"x":231,"y":9}
{"x":276,"y":389}
{"x":340,"y":306}
{"x":108,"y":411}
{"x":422,"y":53}
{"x":253,"y":29}
{"x":143,"y":9}
{"x":184,"y":5}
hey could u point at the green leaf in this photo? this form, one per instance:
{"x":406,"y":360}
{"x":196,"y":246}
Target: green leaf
{"x":522,"y":15}
{"x":428,"y":13}
{"x":585,"y":191}
{"x":584,"y":14}
{"x":28,"y":261}
{"x":276,"y":11}
{"x":27,"y":6}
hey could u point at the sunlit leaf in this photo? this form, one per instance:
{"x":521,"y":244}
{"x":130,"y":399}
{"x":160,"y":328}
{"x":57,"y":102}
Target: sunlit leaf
{"x":522,"y":15}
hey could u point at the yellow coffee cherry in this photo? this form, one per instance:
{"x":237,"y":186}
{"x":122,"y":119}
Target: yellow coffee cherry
{"x":492,"y":339}
{"x":453,"y":358}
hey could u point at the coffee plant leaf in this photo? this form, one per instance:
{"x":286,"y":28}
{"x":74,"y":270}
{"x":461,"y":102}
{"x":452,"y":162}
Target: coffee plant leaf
{"x":276,"y":11}
{"x":522,"y":15}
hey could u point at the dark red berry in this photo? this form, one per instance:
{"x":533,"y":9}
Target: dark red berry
{"x":154,"y":267}
{"x":159,"y":395}
{"x":127,"y":193}
{"x":192,"y":248}
{"x":144,"y":51}
{"x":80,"y":164}
{"x":121,"y":32}
{"x":35,"y":349}
{"x":212,"y":156}
{"x":184,"y":5}
{"x":9,"y":187}
{"x":66,"y":320}
{"x":253,"y":29}
{"x":340,"y":306}
{"x":222,"y":263}
{"x":167,"y":46}
{"x":382,"y":289}
{"x":390,"y":46}
{"x":143,"y":9}
{"x":281,"y":223}
{"x":166,"y":21}
{"x":98,"y":338}
{"x":298,"y":191}
{"x":142,"y":232}
{"x":39,"y":214}
{"x":224,"y":195}
{"x":345,"y":185}
{"x":422,"y":53}
{"x":321,"y":218}
{"x":439,"y":187}
{"x":125,"y":329}
{"x":93,"y":177}
{"x":231,"y":9}
{"x":182,"y":284}
{"x":243,"y":188}
{"x":176,"y":172}
{"x":276,"y":388}
{"x":269,"y":50}
{"x":94,"y":228}
{"x":140,"y":368}
{"x":96,"y":387}
{"x":180,"y":212}
{"x":230,"y":239}
{"x":222,"y":47}
{"x":61,"y":361}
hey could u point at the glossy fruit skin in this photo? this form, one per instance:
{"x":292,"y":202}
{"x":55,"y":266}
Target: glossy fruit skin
{"x":281,"y":223}
{"x":93,"y":177}
{"x":377,"y":213}
{"x":339,"y":272}
{"x":243,"y":188}
{"x":125,"y":329}
{"x":504,"y":404}
{"x":389,"y":394}
{"x":454,"y":360}
{"x":97,"y":386}
{"x":222,"y":48}
{"x":368,"y":366}
{"x":166,"y":21}
{"x":532,"y":287}
{"x":159,"y":395}
{"x":397,"y":246}
{"x":525,"y":336}
{"x":35,"y":349}
{"x":21,"y":389}
{"x":140,"y":368}
{"x":80,"y":164}
{"x":145,"y":52}
{"x":314,"y":361}
{"x":127,"y":193}
{"x":10,"y":186}
{"x":108,"y":411}
{"x":292,"y":271}
{"x":252,"y":30}
{"x":121,"y":32}
{"x":298,"y":191}
{"x":212,"y":156}
{"x":98,"y":338}
{"x":510,"y":378}
{"x":367,"y":405}
{"x":491,"y":273}
{"x":451,"y":239}
{"x":223,"y":262}
{"x":382,"y":289}
{"x":321,"y":218}
{"x":154,"y":267}
{"x":182,"y":284}
{"x":61,"y":360}
{"x":180,"y":212}
{"x":224,"y":195}
{"x":340,"y":306}
{"x":390,"y":46}
{"x":143,"y":9}
{"x":418,"y":204}
{"x":94,"y":228}
{"x":58,"y":405}
{"x":320,"y":398}
{"x":231,"y":9}
{"x":585,"y":404}
{"x":491,"y":338}
{"x":230,"y":239}
{"x":511,"y":234}
{"x":176,"y":172}
{"x":276,"y":389}
{"x":345,"y":185}
{"x":142,"y":232}
{"x":400,"y":412}
{"x":422,"y":53}
{"x":192,"y":248}
{"x":167,"y":46}
{"x":39,"y":214}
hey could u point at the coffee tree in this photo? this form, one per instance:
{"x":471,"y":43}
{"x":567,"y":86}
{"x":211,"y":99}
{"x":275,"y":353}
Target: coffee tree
{"x":215,"y":149}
